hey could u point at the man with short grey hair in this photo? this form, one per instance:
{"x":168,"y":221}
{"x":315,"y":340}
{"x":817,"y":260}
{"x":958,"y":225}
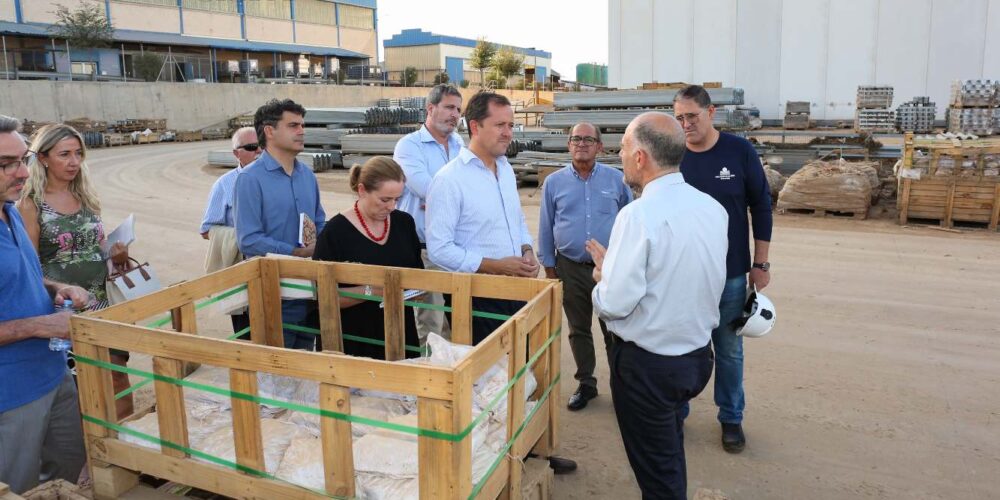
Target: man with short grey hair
{"x":422,"y":154}
{"x":658,"y":289}
{"x":579,"y":203}
{"x":40,"y":434}
{"x":218,"y":226}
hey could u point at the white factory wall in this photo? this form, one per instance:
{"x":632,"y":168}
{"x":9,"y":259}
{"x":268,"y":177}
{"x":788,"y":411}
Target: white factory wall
{"x":806,"y":50}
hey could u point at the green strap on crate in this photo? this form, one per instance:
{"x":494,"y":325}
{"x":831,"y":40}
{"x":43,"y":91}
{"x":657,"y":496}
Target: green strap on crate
{"x":364,"y":340}
{"x":503,"y":453}
{"x":200,"y":454}
{"x":325,"y":413}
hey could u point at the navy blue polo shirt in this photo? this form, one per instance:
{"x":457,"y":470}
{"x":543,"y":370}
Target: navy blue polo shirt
{"x":28,"y":369}
{"x":731,"y":173}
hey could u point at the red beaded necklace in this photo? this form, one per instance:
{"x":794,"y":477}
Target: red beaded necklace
{"x":385,"y":227}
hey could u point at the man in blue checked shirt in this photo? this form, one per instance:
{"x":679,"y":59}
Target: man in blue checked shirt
{"x":422,"y":154}
{"x":270,"y":195}
{"x":579,"y":203}
{"x":218,"y":226}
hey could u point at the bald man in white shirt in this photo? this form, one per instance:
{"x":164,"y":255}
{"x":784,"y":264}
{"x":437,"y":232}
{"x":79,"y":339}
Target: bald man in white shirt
{"x":658,"y":288}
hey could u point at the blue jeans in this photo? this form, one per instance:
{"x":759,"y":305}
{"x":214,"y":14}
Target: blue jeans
{"x":295,"y":312}
{"x":728,"y":354}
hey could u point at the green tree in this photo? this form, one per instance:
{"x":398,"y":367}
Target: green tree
{"x":482,"y":58}
{"x":507,"y":63}
{"x":464,"y":84}
{"x":409,"y":76}
{"x":441,"y":77}
{"x":86,"y":26}
{"x":147,"y":66}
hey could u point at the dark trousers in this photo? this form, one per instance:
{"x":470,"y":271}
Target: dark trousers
{"x":483,"y":327}
{"x":648,"y":391}
{"x":578,"y":283}
{"x":241,"y":321}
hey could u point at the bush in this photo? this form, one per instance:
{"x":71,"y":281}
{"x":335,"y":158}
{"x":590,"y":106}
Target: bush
{"x":147,"y":66}
{"x":409,"y":76}
{"x":464,"y":84}
{"x":441,"y":77}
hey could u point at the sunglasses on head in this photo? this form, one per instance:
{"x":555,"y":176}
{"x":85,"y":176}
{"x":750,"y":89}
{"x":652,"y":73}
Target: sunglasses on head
{"x":253,"y":146}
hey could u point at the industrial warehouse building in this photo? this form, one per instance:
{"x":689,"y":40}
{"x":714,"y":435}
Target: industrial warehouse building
{"x":432,"y":54}
{"x":809,"y":50}
{"x":209,"y":40}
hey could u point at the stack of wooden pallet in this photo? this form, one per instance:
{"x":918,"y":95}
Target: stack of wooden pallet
{"x":950,"y":180}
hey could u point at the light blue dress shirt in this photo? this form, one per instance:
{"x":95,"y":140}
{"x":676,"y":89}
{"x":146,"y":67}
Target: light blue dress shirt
{"x":575,"y":210}
{"x":421,"y":157}
{"x":268,"y":204}
{"x":473,"y":214}
{"x":219,"y":211}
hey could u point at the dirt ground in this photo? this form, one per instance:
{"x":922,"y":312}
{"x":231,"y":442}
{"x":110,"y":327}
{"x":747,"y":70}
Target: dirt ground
{"x":879,"y":381}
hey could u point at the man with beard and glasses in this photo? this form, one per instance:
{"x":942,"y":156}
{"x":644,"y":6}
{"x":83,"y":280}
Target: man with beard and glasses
{"x":422,"y":154}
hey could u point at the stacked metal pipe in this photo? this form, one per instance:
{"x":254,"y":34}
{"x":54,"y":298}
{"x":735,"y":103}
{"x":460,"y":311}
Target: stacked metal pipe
{"x":640,"y":98}
{"x":916,"y":115}
{"x":371,"y":117}
{"x":975,"y":93}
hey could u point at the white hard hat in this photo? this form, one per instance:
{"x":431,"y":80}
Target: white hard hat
{"x":758,"y":315}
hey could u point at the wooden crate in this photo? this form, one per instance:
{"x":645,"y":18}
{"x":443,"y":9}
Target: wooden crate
{"x":444,"y":395}
{"x":148,"y":139}
{"x":949,"y":198}
{"x":188,"y":136}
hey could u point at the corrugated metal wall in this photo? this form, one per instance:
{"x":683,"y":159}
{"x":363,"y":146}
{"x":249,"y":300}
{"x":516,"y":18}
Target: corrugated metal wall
{"x":806,"y":50}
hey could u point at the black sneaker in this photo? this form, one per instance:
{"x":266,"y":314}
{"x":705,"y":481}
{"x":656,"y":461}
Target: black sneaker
{"x":579,"y":399}
{"x":733,"y":440}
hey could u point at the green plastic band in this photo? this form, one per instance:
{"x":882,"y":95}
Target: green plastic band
{"x":364,"y":340}
{"x":200,"y":454}
{"x":325,"y":413}
{"x":229,"y":293}
{"x":239,"y":333}
{"x":409,"y":303}
{"x":132,"y":389}
{"x":503,"y":453}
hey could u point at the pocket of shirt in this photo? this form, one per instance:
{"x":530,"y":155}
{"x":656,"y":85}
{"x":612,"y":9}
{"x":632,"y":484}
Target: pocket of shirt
{"x":607,"y":202}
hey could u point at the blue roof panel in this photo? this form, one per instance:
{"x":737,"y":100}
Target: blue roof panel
{"x":417,"y":37}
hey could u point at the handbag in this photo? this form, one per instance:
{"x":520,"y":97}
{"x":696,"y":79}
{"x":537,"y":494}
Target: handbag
{"x":132,"y":282}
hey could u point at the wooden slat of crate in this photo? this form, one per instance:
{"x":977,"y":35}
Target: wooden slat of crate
{"x":949,"y":200}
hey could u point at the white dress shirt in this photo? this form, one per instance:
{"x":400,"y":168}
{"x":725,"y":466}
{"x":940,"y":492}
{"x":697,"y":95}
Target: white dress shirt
{"x":665,"y":268}
{"x":473,"y":214}
{"x":421,"y":157}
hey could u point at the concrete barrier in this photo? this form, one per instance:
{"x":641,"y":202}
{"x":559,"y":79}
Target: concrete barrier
{"x":187,"y":106}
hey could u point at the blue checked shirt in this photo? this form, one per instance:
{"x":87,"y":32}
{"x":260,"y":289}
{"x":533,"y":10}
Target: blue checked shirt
{"x":421,"y":157}
{"x":221,"y":198}
{"x":472,"y":214}
{"x":575,"y":210}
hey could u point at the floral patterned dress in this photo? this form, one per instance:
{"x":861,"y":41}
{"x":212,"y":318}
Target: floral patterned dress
{"x":70,"y":251}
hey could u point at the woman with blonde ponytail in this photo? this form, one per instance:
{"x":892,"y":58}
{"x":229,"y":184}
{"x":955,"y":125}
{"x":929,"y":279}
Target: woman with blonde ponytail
{"x":62,"y":216}
{"x":372,"y":232}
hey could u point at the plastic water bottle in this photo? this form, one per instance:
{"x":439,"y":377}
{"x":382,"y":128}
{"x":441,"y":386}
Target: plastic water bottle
{"x":60,"y":344}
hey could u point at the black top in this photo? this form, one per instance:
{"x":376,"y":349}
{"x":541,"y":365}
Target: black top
{"x":340,"y":241}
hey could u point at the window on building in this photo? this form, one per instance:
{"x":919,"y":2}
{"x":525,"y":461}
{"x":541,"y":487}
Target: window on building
{"x":315,"y":11}
{"x":228,"y":6}
{"x":274,"y":9}
{"x":165,"y":3}
{"x":357,"y":17}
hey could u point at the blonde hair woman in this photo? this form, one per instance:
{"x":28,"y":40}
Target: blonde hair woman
{"x":372,"y":232}
{"x":61,"y":214}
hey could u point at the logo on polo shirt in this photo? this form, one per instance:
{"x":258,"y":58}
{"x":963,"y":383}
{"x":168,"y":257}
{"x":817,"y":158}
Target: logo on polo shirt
{"x":725,"y":174}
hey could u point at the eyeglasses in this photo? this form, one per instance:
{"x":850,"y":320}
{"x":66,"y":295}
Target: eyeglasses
{"x":584,"y":140}
{"x":691,"y":118}
{"x":253,"y":146}
{"x":12,"y":166}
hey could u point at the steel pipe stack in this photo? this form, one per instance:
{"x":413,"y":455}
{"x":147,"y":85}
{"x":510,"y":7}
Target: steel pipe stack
{"x":916,"y":116}
{"x":640,"y":98}
{"x":371,"y":117}
{"x":725,"y":118}
{"x":975,"y":107}
{"x":374,"y":144}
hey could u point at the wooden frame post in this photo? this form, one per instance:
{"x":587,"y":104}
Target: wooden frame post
{"x":270,"y":297}
{"x":394,"y":316}
{"x":328,"y":297}
{"x":338,"y":448}
{"x":515,"y":401}
{"x":461,"y":309}
{"x":246,"y":421}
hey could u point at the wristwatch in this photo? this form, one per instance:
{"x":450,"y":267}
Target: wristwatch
{"x":763,"y":266}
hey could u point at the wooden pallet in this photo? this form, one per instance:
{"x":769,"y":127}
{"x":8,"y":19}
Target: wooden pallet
{"x":950,"y":198}
{"x":189,"y":136}
{"x":819,"y":212}
{"x":444,"y":395}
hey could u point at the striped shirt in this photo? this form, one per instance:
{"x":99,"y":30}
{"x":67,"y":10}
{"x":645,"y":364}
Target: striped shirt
{"x":473,"y":214}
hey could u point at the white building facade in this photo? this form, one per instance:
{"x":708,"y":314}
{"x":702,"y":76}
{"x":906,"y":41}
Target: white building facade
{"x":806,"y":50}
